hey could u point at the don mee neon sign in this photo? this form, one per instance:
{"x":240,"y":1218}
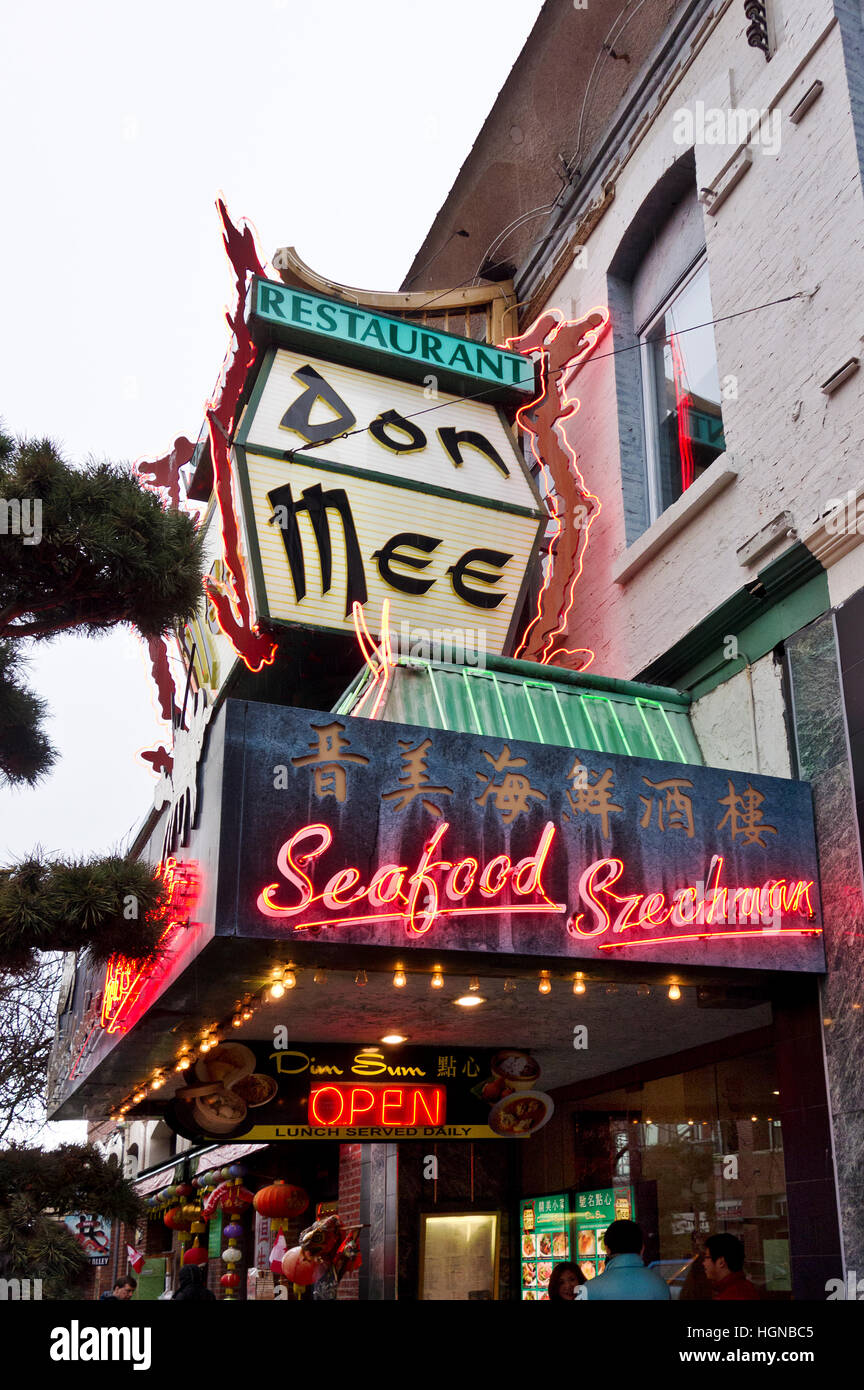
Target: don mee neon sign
{"x":436,"y":888}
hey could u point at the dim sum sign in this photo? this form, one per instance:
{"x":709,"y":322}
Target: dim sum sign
{"x":391,"y":835}
{"x":258,"y":1091}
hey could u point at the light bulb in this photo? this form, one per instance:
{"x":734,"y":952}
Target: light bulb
{"x":578,"y":983}
{"x":183,"y":1063}
{"x":237,"y":1021}
{"x":289,"y":979}
{"x":360,"y":978}
{"x":138,"y":1097}
{"x":509,"y":986}
{"x":674,"y":992}
{"x":611,"y":989}
{"x":545,"y":985}
{"x":277,"y":989}
{"x":437,"y":981}
{"x":399,"y":977}
{"x":643,"y":991}
{"x":206,"y":1044}
{"x":247,"y":1013}
{"x":157,"y":1082}
{"x":319,"y":977}
{"x":474,"y":983}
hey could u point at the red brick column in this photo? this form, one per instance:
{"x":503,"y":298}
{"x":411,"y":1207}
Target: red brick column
{"x":350,"y":1160}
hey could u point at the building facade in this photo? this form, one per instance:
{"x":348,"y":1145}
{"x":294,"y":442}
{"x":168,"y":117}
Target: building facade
{"x":685,"y":185}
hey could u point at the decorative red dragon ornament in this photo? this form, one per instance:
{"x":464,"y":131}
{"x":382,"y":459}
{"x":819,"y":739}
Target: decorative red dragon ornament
{"x":562,"y":348}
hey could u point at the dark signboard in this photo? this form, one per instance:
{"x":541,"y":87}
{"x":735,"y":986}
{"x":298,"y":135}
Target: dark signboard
{"x":259,"y":1091}
{"x":356,"y":831}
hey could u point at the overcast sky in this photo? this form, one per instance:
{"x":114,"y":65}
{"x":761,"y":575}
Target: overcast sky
{"x":334,"y":127}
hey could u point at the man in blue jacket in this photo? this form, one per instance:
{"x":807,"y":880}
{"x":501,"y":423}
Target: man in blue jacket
{"x":625,"y":1275}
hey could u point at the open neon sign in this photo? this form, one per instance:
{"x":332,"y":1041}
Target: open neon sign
{"x":439,"y":888}
{"x":336,"y":1105}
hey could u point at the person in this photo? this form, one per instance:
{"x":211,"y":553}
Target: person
{"x":191,"y":1284}
{"x":563,"y":1282}
{"x":625,"y":1275}
{"x":123,"y":1289}
{"x":724,"y":1267}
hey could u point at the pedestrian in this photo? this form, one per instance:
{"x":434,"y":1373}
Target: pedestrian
{"x":625,"y":1276}
{"x":564,"y":1281}
{"x":724,"y":1267}
{"x":122,"y":1291}
{"x":191,"y":1285}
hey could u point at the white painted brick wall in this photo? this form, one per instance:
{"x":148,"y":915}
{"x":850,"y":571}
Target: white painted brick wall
{"x":794,"y":223}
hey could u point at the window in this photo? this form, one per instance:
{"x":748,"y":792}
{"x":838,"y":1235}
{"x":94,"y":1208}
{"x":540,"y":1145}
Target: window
{"x":681,"y":389}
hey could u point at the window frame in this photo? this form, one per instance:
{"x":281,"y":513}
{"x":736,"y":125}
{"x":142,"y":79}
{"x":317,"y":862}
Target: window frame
{"x":649,"y":386}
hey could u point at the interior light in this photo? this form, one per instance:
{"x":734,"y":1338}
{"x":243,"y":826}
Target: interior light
{"x":674,"y":992}
{"x":183,"y":1063}
{"x":277,"y":989}
{"x":578,"y":983}
{"x":138,"y":1097}
{"x":237,"y":1021}
{"x":393,"y":1039}
{"x":545,"y":984}
{"x":289,"y":979}
{"x":399,"y":977}
{"x":469,"y":1001}
{"x":157,"y":1082}
{"x":437,"y":981}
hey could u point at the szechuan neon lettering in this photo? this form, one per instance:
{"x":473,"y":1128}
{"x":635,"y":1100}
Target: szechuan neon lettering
{"x":335,"y":1106}
{"x":418,"y":897}
{"x":706,"y":910}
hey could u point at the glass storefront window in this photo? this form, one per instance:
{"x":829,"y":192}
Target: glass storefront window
{"x":703,"y":1152}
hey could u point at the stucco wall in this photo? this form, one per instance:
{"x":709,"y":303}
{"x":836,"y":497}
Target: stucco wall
{"x":726,"y":719}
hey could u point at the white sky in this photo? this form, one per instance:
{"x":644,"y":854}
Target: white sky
{"x":334,"y":127}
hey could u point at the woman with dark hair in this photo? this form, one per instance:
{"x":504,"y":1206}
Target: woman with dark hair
{"x":563,"y":1282}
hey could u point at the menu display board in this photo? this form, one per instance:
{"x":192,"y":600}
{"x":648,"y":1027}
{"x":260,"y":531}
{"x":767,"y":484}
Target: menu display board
{"x":544,"y":1241}
{"x":593,"y":1213}
{"x":459,"y":1256}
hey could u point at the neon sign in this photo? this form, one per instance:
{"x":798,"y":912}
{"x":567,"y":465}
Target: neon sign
{"x":335,"y":1104}
{"x":124,"y":978}
{"x":706,"y":910}
{"x":415,"y":897}
{"x":440,"y":888}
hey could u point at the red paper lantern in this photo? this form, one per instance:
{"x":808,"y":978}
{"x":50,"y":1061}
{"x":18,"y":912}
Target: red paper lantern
{"x":281,"y":1200}
{"x":175,"y":1220}
{"x":300,"y":1268}
{"x":230,"y":1281}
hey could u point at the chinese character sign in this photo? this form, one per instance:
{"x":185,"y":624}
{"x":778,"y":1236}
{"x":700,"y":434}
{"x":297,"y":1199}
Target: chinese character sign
{"x":384,"y":834}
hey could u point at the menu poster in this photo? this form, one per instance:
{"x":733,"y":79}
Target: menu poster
{"x":459,"y":1256}
{"x":544,"y":1241}
{"x":593,"y":1213}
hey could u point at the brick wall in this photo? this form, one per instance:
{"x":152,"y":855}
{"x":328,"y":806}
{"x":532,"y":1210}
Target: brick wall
{"x":350,"y":1170}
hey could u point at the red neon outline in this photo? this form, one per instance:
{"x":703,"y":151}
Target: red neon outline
{"x":711,"y":935}
{"x":378,"y":659}
{"x":184,"y":888}
{"x":542,"y":337}
{"x":231,"y":604}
